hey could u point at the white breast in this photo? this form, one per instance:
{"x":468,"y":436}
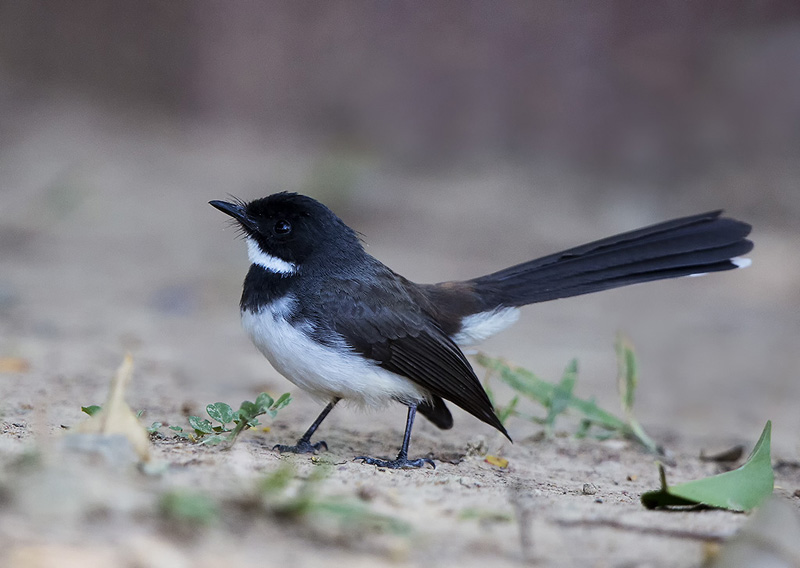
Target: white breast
{"x":325,"y":372}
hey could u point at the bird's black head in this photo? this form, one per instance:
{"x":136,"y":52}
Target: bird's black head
{"x":287,"y":230}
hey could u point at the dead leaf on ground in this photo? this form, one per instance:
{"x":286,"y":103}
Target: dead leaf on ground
{"x":14,"y":365}
{"x":116,"y":417}
{"x":496,"y":461}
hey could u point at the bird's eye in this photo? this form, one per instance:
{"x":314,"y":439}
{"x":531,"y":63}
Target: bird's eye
{"x":282,"y":227}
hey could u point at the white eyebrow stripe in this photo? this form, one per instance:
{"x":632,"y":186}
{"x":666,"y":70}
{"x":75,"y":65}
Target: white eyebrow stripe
{"x":267,"y":261}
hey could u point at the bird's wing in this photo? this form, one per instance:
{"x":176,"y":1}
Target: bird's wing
{"x":392,"y":327}
{"x":437,"y":412}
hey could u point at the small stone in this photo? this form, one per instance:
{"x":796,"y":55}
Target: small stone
{"x":589,"y":489}
{"x":366,"y":493}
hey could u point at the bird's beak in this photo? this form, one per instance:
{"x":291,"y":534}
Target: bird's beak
{"x":236,"y":211}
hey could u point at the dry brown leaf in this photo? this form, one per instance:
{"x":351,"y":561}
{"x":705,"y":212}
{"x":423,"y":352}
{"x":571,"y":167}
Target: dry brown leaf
{"x":496,"y":461}
{"x":63,"y":556}
{"x":14,"y":365}
{"x":116,"y":417}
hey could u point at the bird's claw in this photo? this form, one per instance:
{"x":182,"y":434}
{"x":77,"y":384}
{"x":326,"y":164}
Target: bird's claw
{"x":399,"y":463}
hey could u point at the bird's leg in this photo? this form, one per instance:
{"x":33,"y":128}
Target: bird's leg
{"x":402,"y":458}
{"x":304,"y":445}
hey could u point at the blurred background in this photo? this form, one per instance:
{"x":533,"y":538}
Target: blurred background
{"x":458,"y":137}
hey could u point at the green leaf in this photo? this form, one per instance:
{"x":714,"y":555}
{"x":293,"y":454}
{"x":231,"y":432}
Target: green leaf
{"x":543,"y":392}
{"x":221,"y":412}
{"x":636,"y":432}
{"x":583,"y":429}
{"x":92,"y":409}
{"x":276,"y":481}
{"x":521,"y":380}
{"x":739,"y":490}
{"x":283,"y":401}
{"x":215,"y":440}
{"x":245,"y":417}
{"x":263,"y":402}
{"x":154,"y":427}
{"x":503,"y":414}
{"x":188,"y":507}
{"x":557,"y":398}
{"x":627,"y":372}
{"x":596,"y":415}
{"x":248,"y":410}
{"x":561,"y":396}
{"x":201,"y":425}
{"x":627,"y":381}
{"x":179,"y":432}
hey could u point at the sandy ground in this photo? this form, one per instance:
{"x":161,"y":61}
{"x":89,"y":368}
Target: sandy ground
{"x":107,"y":245}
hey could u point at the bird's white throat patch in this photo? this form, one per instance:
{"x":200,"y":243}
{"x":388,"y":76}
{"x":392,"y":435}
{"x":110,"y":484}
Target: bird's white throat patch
{"x":267,"y":261}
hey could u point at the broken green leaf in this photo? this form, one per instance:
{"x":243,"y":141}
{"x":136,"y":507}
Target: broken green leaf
{"x":92,"y":409}
{"x":739,"y":490}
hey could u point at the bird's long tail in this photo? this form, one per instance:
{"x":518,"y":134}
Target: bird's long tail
{"x":681,"y":247}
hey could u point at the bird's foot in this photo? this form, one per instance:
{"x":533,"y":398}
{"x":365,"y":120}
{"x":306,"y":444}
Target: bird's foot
{"x":303,"y":446}
{"x":399,"y":463}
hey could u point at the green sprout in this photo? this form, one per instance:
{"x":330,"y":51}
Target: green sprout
{"x":226,"y":424}
{"x":306,"y":504}
{"x":558,"y":398}
{"x":188,"y":507}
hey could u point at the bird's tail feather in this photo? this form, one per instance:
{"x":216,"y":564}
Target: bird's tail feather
{"x":681,"y":247}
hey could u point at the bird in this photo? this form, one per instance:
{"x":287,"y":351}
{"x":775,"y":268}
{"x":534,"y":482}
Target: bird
{"x":341,"y":325}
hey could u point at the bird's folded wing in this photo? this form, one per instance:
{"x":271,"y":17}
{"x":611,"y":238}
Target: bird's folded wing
{"x":394,"y":331}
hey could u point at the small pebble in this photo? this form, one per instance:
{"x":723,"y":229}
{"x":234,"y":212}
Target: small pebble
{"x":366,"y":493}
{"x":589,"y":489}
